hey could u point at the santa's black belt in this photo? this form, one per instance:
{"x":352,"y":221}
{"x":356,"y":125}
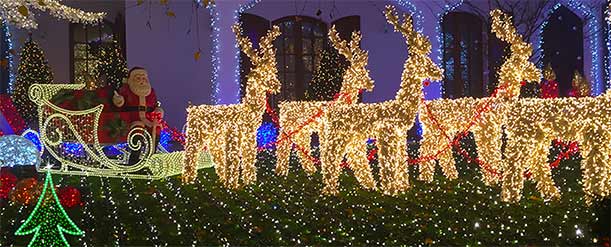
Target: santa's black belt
{"x":137,"y":109}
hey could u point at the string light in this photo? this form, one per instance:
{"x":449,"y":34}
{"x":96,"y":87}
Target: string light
{"x":8,"y":55}
{"x":19,"y":12}
{"x":296,"y":118}
{"x":488,"y":113}
{"x":48,"y":222}
{"x":229,"y":131}
{"x":17,"y":151}
{"x":82,"y":157}
{"x":593,"y":27}
{"x":348,"y":126}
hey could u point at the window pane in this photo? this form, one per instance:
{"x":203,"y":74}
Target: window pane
{"x":280,"y":62}
{"x":318,"y":32}
{"x":318,"y":46}
{"x":290,"y":63}
{"x":287,"y":28}
{"x":289,"y":86}
{"x":80,"y":51}
{"x":278,"y":44}
{"x":107,"y":34}
{"x":79,"y":34}
{"x":306,"y":29}
{"x":93,"y":33}
{"x":307,"y":78}
{"x":289,"y":45}
{"x":308,"y":63}
{"x":306,"y":46}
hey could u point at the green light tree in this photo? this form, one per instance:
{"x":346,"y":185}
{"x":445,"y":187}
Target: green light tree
{"x":112,"y":64}
{"x":49,"y":220}
{"x":33,"y":68}
{"x":327,"y":79}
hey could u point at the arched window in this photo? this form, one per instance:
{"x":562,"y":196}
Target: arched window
{"x":462,"y":55}
{"x":84,"y":39}
{"x":298,"y":53}
{"x":563,"y":46}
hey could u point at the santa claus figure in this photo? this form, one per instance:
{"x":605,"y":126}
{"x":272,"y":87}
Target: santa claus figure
{"x":138,"y":97}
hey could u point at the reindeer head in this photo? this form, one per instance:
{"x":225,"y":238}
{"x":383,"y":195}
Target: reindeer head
{"x":418,"y":63}
{"x":263,"y":74}
{"x":356,"y":76}
{"x":517,"y":67}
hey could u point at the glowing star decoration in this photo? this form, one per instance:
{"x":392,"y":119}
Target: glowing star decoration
{"x":347,"y":127}
{"x":58,"y":127}
{"x":49,"y":221}
{"x":444,"y":119}
{"x":19,"y":12}
{"x":230,"y":131}
{"x":18,"y":151}
{"x":299,"y":119}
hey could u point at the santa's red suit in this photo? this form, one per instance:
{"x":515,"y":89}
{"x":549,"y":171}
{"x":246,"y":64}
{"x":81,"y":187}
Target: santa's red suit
{"x":133,"y":105}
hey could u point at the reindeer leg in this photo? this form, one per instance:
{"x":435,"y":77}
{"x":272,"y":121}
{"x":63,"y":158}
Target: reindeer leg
{"x":283,"y":151}
{"x":330,"y":152}
{"x":248,"y":149}
{"x":595,"y":147}
{"x":302,"y":141}
{"x":217,"y":152}
{"x":193,"y":146}
{"x":400,"y":159}
{"x":386,"y":161}
{"x":488,"y":140}
{"x":517,"y":152}
{"x":541,"y":170}
{"x":232,"y":158}
{"x":428,"y":149}
{"x":360,"y":164}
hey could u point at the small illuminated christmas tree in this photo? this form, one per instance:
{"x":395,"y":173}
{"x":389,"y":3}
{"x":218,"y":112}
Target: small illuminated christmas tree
{"x":112,"y":64}
{"x":49,"y":221}
{"x":33,"y":68}
{"x":327,"y":79}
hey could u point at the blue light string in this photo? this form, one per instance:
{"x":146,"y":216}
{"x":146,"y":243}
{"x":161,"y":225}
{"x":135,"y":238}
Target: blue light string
{"x":216,"y":48}
{"x":438,"y":29}
{"x":9,"y":56}
{"x":592,"y":27}
{"x":414,"y":12}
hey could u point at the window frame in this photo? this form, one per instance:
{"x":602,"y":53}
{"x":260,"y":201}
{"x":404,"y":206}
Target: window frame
{"x":117,"y":29}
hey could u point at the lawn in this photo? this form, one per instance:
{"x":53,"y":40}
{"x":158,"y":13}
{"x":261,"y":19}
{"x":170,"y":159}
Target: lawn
{"x":290,"y":211}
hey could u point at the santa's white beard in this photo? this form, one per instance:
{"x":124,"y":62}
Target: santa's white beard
{"x":142,"y":91}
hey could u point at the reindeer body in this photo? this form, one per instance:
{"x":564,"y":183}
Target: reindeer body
{"x":298,"y":120}
{"x":444,"y":119}
{"x":348,"y":126}
{"x":534,"y":123}
{"x":229,"y":131}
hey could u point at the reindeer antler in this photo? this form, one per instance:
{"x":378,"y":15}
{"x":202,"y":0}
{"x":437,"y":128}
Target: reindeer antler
{"x":269,"y":38}
{"x":406,"y":28}
{"x":245,"y":43}
{"x":502,"y":25}
{"x":338,"y":43}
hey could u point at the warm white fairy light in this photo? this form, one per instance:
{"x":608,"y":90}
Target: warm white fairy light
{"x":19,"y":12}
{"x":348,"y":126}
{"x":299,"y":119}
{"x":229,"y":131}
{"x":443,"y":119}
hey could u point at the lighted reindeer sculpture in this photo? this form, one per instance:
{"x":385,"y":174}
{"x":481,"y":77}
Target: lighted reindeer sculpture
{"x":532,"y":125}
{"x":444,"y":119}
{"x":229,"y":131}
{"x":298,"y":120}
{"x":348,"y":126}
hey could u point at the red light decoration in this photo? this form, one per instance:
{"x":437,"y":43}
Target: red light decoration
{"x":10,"y":113}
{"x":69,"y":197}
{"x":7,"y":182}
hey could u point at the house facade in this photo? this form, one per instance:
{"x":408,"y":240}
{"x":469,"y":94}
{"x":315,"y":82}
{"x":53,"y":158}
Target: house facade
{"x":190,"y":53}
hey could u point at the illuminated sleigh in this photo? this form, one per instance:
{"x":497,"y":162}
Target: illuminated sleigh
{"x":59,"y":128}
